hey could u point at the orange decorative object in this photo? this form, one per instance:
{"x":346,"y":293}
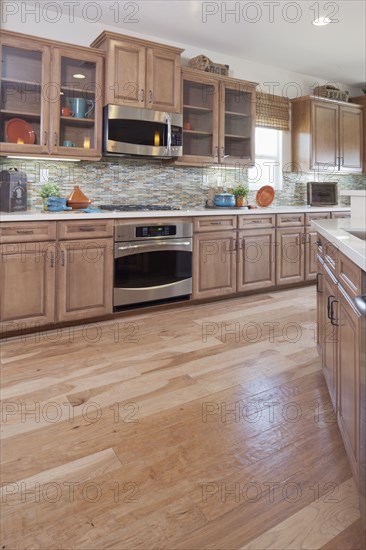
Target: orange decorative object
{"x":77,"y":199}
{"x":18,"y":129}
{"x":265,"y":195}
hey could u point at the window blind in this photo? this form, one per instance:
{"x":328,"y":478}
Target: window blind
{"x":272,"y":111}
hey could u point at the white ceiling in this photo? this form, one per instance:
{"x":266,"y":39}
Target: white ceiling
{"x":274,"y":32}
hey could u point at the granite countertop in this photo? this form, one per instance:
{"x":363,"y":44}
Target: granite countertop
{"x":39,"y":215}
{"x":335,"y":231}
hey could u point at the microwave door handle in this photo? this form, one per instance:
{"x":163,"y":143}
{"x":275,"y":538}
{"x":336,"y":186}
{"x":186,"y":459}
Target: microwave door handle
{"x":169,"y":124}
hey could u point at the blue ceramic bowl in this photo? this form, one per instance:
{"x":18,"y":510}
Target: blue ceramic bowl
{"x":224,"y":199}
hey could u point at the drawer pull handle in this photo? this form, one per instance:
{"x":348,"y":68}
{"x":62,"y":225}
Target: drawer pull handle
{"x":62,"y":258}
{"x":215,"y":223}
{"x":87,"y":228}
{"x":291,"y":220}
{"x":25,"y":231}
{"x":52,"y":260}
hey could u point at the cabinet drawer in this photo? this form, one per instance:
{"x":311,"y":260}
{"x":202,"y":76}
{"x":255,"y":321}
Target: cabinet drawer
{"x":287,"y":220}
{"x":85,"y":230}
{"x":349,"y":275}
{"x":340,"y":215}
{"x":214,"y":223}
{"x":257,"y":222}
{"x":316,"y":216}
{"x":330,"y":255}
{"x":25,"y":232}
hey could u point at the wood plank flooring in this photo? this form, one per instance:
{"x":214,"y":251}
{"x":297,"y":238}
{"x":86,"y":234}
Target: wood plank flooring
{"x":204,"y":427}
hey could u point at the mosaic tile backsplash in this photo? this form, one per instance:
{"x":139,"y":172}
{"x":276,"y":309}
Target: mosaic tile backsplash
{"x":152,"y":182}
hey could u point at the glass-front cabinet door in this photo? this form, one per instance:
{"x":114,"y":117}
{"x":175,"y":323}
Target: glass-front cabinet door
{"x":200,"y":119}
{"x":237,"y":122}
{"x":24,"y":109}
{"x":76,"y":123}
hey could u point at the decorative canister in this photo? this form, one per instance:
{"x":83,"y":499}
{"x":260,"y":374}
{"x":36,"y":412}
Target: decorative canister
{"x":224,"y":200}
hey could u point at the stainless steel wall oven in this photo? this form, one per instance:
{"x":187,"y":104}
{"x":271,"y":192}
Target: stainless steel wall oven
{"x":152,"y":262}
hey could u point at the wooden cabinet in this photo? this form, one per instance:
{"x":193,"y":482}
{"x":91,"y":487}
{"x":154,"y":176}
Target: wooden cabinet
{"x":140,"y":73}
{"x":345,"y":214}
{"x":256,"y":259}
{"x":28,"y":279}
{"x":48,"y":281}
{"x":290,"y":255}
{"x":85,"y":279}
{"x":39,"y":78}
{"x":326,"y":135}
{"x":340,"y":347}
{"x":311,"y":249}
{"x":214,"y":264}
{"x":348,"y":409}
{"x":218,"y":119}
{"x":361,"y":100}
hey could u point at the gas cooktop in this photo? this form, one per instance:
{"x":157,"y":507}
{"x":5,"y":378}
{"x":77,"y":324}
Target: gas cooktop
{"x":135,"y":207}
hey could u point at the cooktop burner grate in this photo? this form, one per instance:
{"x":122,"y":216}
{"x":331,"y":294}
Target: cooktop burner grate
{"x":135,"y":207}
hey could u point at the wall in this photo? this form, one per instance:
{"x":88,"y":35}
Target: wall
{"x":144,"y":182}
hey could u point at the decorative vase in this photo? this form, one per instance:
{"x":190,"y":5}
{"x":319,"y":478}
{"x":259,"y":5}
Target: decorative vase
{"x":240,"y":201}
{"x":45,"y":204}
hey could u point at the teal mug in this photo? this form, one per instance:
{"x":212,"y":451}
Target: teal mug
{"x":79,"y":107}
{"x":68,"y":143}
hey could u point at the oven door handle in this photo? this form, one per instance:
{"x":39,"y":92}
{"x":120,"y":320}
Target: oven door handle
{"x":126,"y":250}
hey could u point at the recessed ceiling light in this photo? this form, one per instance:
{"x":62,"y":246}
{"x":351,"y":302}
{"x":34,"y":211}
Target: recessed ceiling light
{"x":321,"y":21}
{"x":78,"y":75}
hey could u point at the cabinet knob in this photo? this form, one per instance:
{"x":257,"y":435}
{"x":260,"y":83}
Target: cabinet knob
{"x":142,"y":94}
{"x":55,"y":139}
{"x":45,"y":137}
{"x":150,"y":96}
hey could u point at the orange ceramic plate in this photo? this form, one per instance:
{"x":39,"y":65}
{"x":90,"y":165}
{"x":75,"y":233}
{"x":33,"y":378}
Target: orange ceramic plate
{"x":18,"y":130}
{"x":265,"y":196}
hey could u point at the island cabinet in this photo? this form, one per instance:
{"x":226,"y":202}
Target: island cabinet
{"x":39,"y":80}
{"x":326,"y":135}
{"x":48,"y":277}
{"x":218,"y":119}
{"x":139,"y":73}
{"x":339,"y":282}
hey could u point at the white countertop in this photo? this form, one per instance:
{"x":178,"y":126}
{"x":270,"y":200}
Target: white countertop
{"x":353,"y":193}
{"x":335,"y":231}
{"x":40,"y":215}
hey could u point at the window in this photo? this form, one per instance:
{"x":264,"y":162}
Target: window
{"x":268,"y":159}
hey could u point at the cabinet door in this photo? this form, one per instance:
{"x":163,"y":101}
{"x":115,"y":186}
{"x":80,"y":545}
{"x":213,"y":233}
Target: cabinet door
{"x":85,"y":279}
{"x":163,"y":87}
{"x":237,"y":123}
{"x":349,"y":379}
{"x":78,"y":77}
{"x":319,"y":307}
{"x":290,"y":256}
{"x":324,"y":127}
{"x":200,"y":119}
{"x":27,"y":275}
{"x":125,"y":74}
{"x":311,"y":249}
{"x":350,"y":139}
{"x":24,"y":106}
{"x":329,"y":337}
{"x":256,"y":259}
{"x":214,"y":264}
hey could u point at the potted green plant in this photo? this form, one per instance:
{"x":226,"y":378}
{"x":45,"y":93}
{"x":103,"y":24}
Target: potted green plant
{"x":241,"y":192}
{"x":49,"y":190}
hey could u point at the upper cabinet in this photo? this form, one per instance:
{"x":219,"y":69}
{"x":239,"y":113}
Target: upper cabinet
{"x":51,"y":98}
{"x":361,"y":100}
{"x":326,"y":135}
{"x":140,"y":73}
{"x":218,"y":119}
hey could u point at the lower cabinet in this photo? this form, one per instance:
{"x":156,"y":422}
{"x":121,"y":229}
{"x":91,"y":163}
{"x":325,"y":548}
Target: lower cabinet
{"x":311,"y":264}
{"x":348,"y":409}
{"x":339,"y":335}
{"x":46,"y":282}
{"x":27,"y":285}
{"x":214,"y":264}
{"x":85,"y":274}
{"x":290,"y":255}
{"x":256,"y":259}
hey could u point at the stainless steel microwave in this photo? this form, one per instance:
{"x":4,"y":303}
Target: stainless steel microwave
{"x":322,"y":193}
{"x":142,"y":132}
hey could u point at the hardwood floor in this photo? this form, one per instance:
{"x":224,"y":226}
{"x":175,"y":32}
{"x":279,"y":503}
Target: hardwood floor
{"x":208,"y":426}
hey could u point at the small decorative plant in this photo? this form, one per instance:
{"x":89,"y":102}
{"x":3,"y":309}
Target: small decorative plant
{"x":241,"y":192}
{"x":49,"y":190}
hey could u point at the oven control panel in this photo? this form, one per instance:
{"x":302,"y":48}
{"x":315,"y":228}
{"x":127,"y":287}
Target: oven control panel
{"x":147,"y":231}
